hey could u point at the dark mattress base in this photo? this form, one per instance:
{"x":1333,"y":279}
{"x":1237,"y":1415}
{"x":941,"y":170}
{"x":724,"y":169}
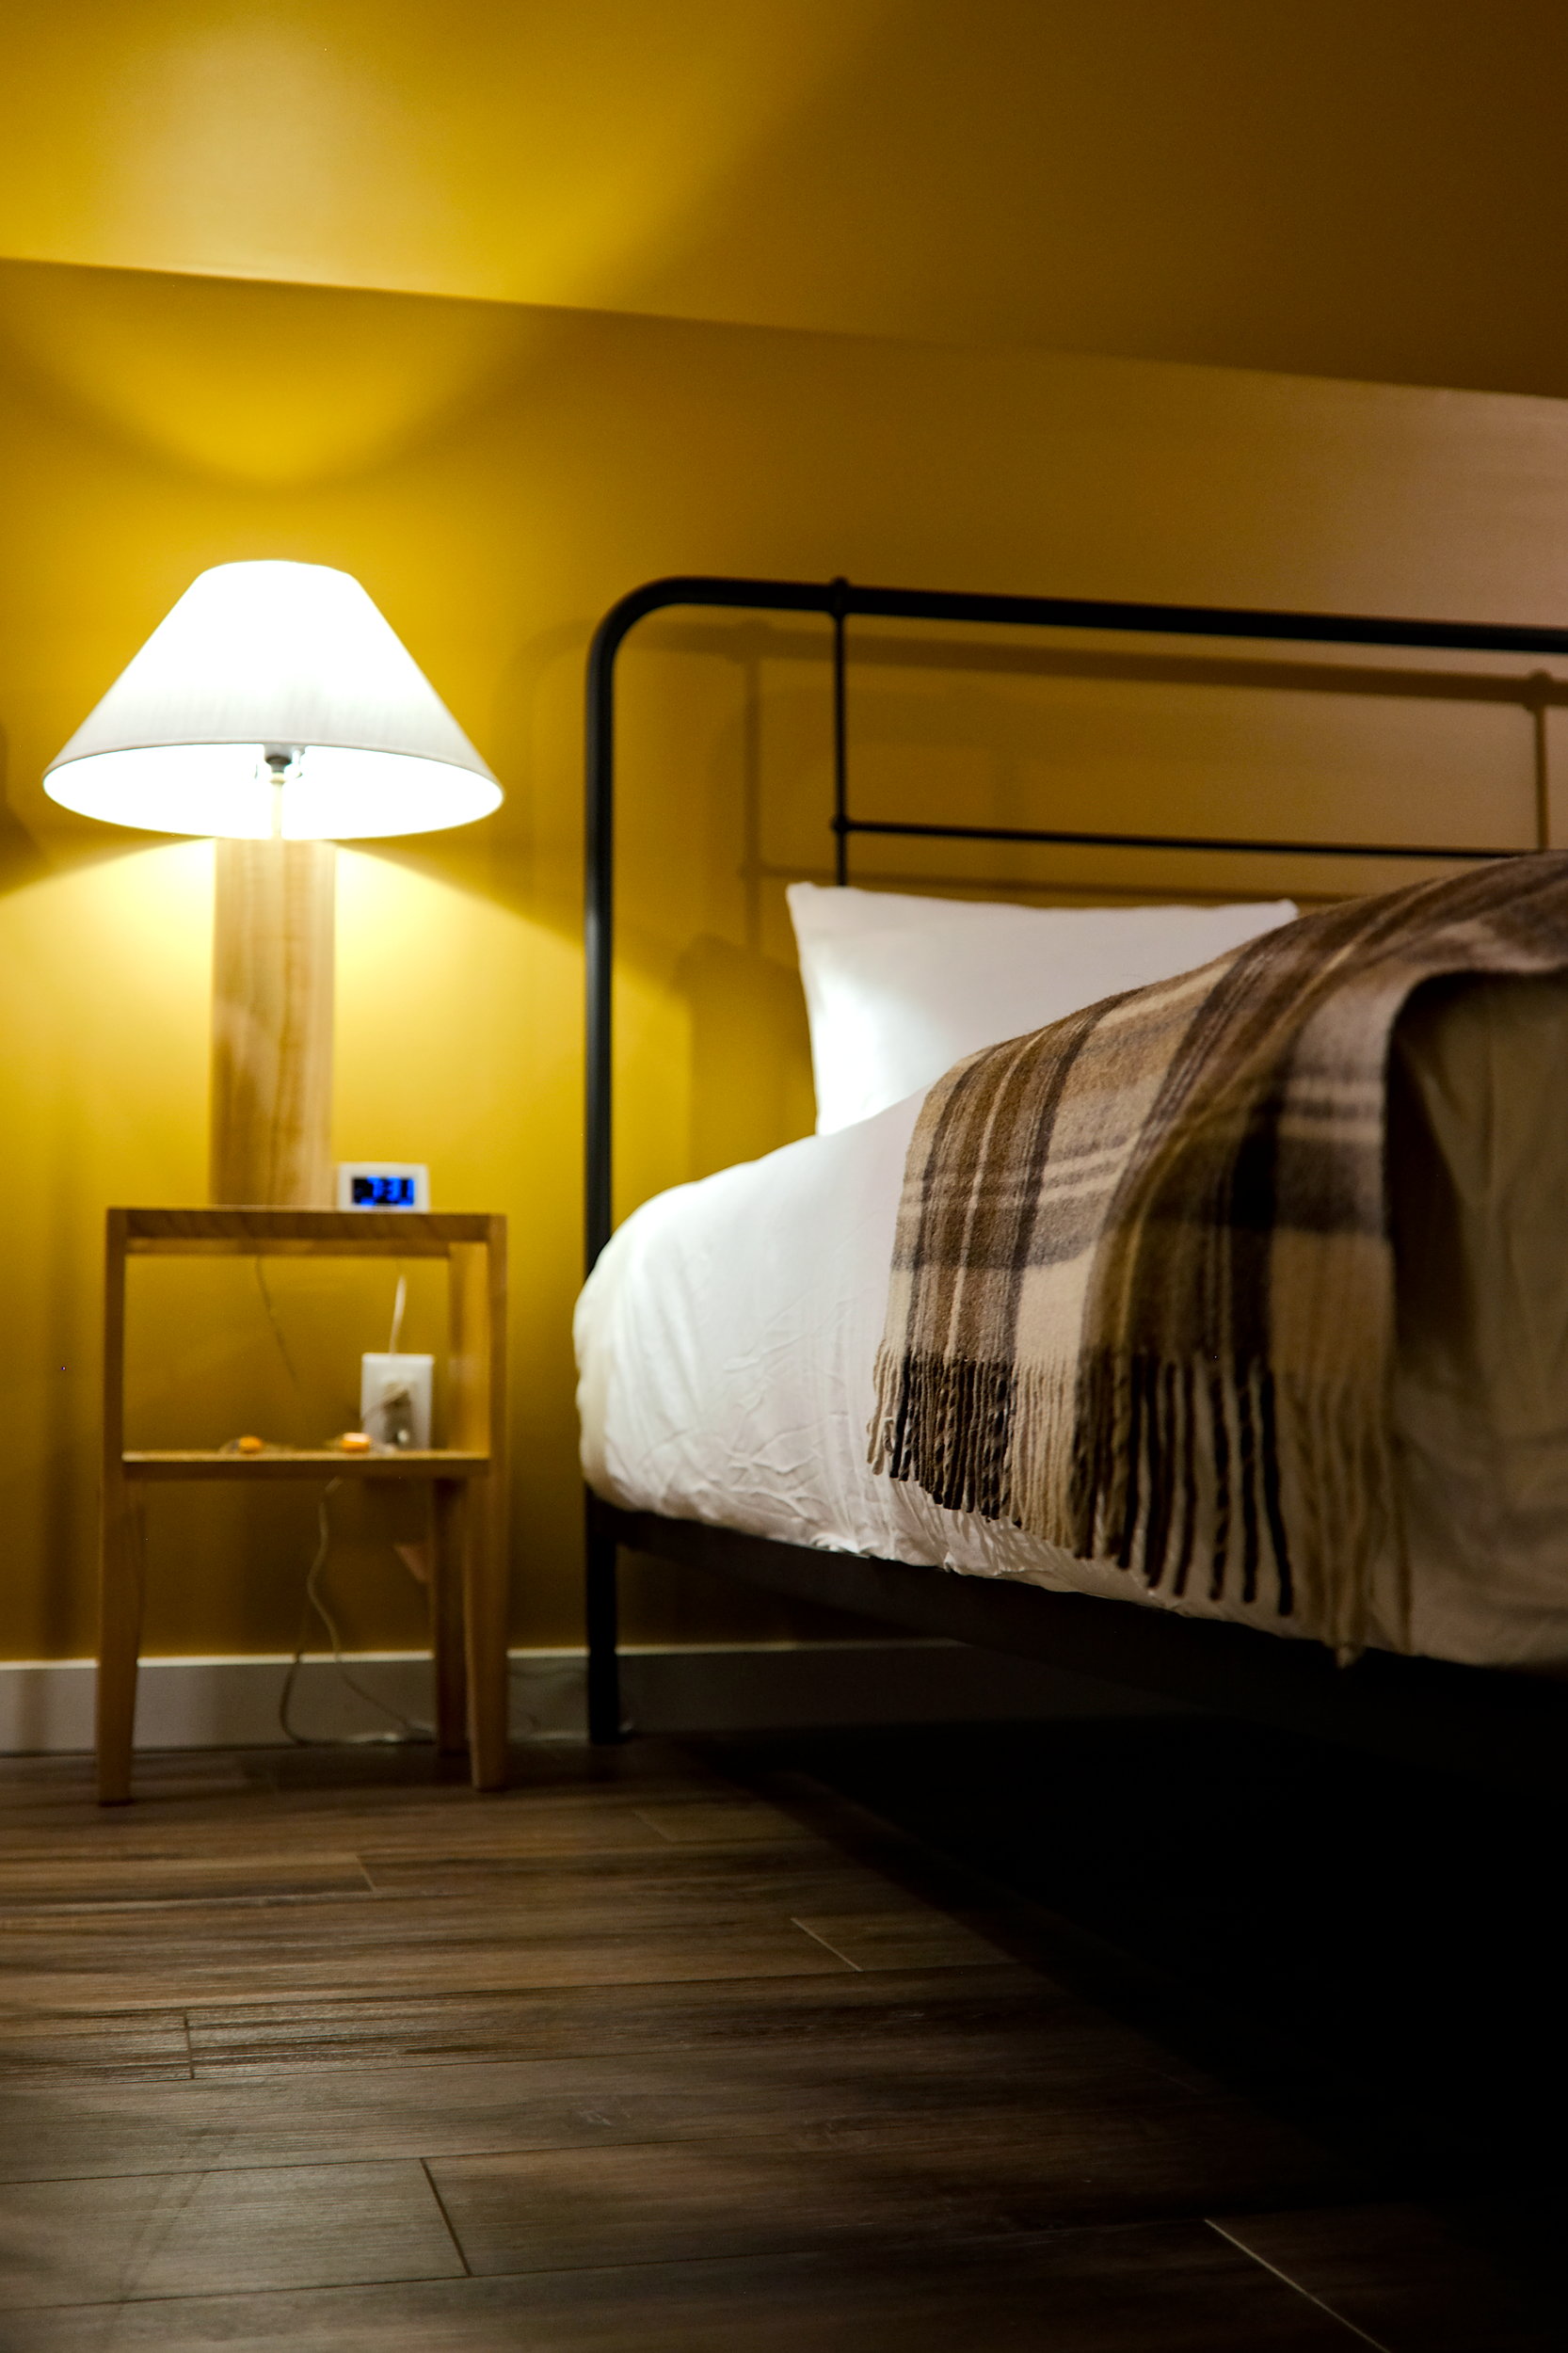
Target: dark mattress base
{"x":1484,"y":1722}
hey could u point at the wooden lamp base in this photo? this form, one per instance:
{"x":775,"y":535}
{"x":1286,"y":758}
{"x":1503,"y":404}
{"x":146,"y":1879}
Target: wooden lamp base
{"x":272,"y":921}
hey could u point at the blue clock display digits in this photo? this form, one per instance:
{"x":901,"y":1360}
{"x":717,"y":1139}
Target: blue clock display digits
{"x":383,"y":1192}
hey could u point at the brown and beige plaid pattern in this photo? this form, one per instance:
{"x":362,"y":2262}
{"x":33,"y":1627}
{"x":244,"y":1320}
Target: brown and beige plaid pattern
{"x":1143,"y":1290}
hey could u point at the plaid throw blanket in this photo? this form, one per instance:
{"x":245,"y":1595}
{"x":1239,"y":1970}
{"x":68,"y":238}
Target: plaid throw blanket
{"x":1142,"y":1296}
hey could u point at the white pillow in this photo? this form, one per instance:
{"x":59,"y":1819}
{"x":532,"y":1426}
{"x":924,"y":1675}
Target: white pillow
{"x":899,"y":988}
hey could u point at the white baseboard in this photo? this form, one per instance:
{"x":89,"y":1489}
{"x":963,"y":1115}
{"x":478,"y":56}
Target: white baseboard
{"x":47,"y":1704}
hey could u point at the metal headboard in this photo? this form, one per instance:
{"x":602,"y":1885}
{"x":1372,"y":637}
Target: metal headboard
{"x":837,"y":600}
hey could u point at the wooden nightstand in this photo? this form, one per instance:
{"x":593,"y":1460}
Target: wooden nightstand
{"x":469,"y":1580}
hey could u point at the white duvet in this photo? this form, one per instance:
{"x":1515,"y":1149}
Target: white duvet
{"x":726,"y":1339}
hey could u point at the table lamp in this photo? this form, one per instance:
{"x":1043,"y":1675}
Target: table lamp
{"x":275,"y":709}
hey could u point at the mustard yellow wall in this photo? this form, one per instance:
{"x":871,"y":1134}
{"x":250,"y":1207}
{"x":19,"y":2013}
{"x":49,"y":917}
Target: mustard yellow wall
{"x":496,"y":477}
{"x":1343,"y":190}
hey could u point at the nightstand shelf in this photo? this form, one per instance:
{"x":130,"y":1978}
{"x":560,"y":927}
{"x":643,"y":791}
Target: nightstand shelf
{"x":469,"y":1579}
{"x":303,"y":1462}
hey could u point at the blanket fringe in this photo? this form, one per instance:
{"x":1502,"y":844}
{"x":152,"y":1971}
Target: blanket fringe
{"x":946,"y":1424}
{"x":1186,"y":1475}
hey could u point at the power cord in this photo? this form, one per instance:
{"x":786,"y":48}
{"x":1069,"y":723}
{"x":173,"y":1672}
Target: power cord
{"x":409,"y":1732}
{"x":315,"y":1601}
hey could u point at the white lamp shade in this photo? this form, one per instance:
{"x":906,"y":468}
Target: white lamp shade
{"x":290,"y":659}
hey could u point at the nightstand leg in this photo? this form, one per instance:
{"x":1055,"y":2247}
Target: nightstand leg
{"x":485,"y":1623}
{"x":446,"y":1615}
{"x":118,"y":1640}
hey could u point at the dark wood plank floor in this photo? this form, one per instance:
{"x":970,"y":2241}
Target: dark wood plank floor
{"x":668,"y":2050}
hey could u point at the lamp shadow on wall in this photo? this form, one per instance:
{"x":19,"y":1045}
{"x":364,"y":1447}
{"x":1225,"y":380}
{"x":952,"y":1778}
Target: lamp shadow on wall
{"x":68,"y":1504}
{"x":22,"y":862}
{"x":751,"y":1073}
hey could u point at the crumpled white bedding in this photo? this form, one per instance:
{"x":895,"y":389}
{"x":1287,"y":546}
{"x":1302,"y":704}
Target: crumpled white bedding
{"x":725,"y":1342}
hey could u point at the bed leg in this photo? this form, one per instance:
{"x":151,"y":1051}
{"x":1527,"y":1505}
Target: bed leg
{"x":604,"y":1717}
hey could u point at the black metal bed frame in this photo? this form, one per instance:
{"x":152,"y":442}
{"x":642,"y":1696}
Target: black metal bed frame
{"x":1509,"y":1728}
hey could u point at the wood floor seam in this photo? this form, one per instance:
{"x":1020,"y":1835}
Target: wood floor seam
{"x":278,"y":2166}
{"x":1348,"y":2326}
{"x":818,"y":1938}
{"x":440,"y":2201}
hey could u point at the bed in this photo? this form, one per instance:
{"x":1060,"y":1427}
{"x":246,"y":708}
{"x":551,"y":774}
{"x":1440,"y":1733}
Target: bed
{"x":726,"y":1334}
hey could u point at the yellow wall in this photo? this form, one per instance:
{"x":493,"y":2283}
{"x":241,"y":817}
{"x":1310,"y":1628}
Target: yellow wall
{"x":1346,"y":190}
{"x":496,"y":477}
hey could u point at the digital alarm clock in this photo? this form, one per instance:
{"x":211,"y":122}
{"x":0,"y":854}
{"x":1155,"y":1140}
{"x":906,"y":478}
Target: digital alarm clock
{"x":383,"y":1185}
